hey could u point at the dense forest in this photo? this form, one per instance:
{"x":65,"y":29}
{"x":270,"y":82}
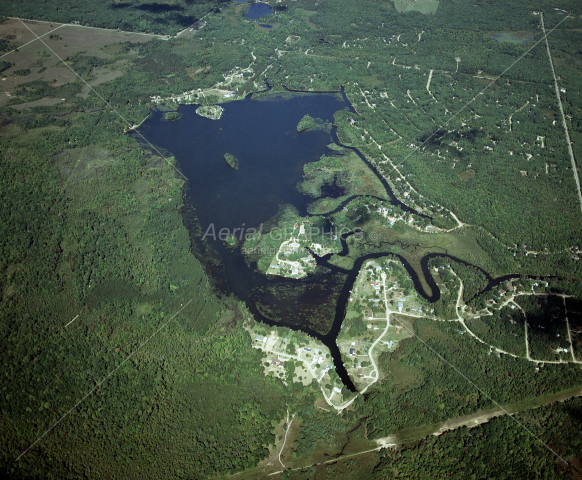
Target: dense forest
{"x":421,"y":389}
{"x":119,"y":259}
{"x":96,"y":260}
{"x":499,"y":448}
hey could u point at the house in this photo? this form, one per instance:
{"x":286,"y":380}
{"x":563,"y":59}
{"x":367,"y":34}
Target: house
{"x":370,"y":313}
{"x":306,"y":349}
{"x":352,"y":352}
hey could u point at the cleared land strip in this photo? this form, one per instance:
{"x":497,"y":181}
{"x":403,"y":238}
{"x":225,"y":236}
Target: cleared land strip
{"x":477,"y":418}
{"x":569,"y":331}
{"x":471,"y":421}
{"x":574,"y":167}
{"x":428,"y":86}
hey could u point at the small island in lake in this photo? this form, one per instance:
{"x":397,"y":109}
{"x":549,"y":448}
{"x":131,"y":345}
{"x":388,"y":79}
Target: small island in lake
{"x":231,"y":241}
{"x":308,"y":123}
{"x":214,"y":112}
{"x":171,"y":116}
{"x":231,"y":160}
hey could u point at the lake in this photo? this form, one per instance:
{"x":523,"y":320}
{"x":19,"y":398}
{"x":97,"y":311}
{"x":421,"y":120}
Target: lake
{"x":263,"y":135}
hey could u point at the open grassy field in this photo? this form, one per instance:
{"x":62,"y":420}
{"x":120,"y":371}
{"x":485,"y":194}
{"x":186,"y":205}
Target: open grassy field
{"x":422,"y":6}
{"x":65,"y":41}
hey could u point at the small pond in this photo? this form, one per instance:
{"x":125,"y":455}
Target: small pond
{"x":258,"y":10}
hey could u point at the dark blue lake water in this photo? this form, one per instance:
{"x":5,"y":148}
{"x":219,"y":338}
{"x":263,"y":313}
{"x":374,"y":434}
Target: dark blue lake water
{"x":262,"y":134}
{"x":258,"y":10}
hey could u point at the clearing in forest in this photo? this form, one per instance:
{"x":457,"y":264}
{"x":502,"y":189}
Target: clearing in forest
{"x":422,"y":6}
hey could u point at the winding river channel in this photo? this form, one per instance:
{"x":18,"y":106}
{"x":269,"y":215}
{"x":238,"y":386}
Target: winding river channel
{"x":262,"y":134}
